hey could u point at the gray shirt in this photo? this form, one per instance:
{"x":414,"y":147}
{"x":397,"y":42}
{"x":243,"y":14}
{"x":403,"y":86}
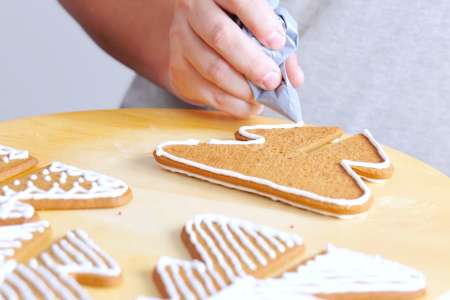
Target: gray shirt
{"x":377,"y":64}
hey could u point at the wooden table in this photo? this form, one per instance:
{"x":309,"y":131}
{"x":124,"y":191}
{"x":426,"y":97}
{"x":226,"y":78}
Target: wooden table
{"x":409,"y":222}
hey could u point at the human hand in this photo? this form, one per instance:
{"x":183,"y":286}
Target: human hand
{"x":211,"y":58}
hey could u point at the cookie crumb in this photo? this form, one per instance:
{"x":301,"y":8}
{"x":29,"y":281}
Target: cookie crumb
{"x":119,"y":213}
{"x":291,"y":226}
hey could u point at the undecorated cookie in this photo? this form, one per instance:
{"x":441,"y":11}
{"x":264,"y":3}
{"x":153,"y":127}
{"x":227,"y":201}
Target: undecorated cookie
{"x":13,"y":161}
{"x":308,"y":167}
{"x":60,"y":186}
{"x":21,"y":242}
{"x":345,"y":274}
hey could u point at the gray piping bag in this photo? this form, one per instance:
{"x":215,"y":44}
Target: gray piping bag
{"x":284,"y":99}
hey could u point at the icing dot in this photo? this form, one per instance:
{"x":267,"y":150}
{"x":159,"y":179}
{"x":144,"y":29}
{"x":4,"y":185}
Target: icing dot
{"x":33,"y":177}
{"x":16,"y":182}
{"x":5,"y":159}
{"x":47,"y":178}
{"x":81,"y":180}
{"x":62,"y":180}
{"x":45,"y":172}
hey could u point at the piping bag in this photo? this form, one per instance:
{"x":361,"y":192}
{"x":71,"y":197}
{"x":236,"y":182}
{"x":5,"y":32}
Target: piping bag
{"x":284,"y":99}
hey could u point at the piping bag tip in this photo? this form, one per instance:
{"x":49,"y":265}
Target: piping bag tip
{"x":284,"y":99}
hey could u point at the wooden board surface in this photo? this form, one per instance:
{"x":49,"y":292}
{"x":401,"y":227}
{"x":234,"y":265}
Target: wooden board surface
{"x":409,"y":222}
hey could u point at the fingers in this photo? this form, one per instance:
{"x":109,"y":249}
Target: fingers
{"x":214,"y":26}
{"x":294,"y":71}
{"x":259,"y":18}
{"x":189,"y":85}
{"x":213,"y":68}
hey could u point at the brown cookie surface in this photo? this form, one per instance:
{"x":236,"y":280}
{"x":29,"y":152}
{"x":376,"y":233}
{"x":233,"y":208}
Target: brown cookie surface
{"x":308,"y":167}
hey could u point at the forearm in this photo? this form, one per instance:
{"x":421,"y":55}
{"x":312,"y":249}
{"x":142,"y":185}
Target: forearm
{"x":134,"y":32}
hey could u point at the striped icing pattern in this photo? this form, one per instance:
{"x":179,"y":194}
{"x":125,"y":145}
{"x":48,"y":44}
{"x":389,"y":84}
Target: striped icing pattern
{"x":35,"y":281}
{"x":188,"y":279}
{"x":77,"y":253}
{"x":13,"y":237}
{"x":64,"y":182}
{"x":235,"y":246}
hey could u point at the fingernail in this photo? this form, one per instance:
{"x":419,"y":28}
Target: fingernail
{"x":276,"y":39}
{"x":271,"y":80}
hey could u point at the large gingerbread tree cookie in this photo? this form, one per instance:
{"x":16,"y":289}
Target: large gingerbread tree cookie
{"x":308,"y":167}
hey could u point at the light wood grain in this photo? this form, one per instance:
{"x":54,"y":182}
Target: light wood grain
{"x":409,"y":222}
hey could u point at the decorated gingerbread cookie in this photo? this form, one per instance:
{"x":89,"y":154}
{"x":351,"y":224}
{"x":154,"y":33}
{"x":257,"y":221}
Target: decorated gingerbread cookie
{"x":236,"y":248}
{"x":35,"y":281}
{"x":21,"y":242}
{"x":178,"y":279}
{"x":76,"y":254}
{"x":57,"y":272}
{"x":309,"y":167}
{"x":14,"y":161}
{"x":225,"y":250}
{"x":12,"y":211}
{"x":345,"y":274}
{"x":60,"y":186}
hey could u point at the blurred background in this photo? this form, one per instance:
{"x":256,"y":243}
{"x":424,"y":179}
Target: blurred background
{"x":48,"y":64}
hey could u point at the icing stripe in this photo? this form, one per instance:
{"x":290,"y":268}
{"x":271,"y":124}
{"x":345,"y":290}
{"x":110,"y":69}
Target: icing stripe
{"x":256,"y":139}
{"x":12,"y":237}
{"x":76,"y":253}
{"x":262,"y":242}
{"x":200,"y":281}
{"x":11,"y":208}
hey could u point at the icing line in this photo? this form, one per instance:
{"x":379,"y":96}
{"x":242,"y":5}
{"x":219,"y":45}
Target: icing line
{"x":256,"y":139}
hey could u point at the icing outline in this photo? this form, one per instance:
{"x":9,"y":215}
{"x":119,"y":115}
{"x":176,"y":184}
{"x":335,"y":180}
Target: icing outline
{"x":257,"y":139}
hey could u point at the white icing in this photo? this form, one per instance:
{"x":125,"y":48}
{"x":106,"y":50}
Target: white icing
{"x":275,"y":198}
{"x":8,"y":154}
{"x":101,"y":186}
{"x":76,"y":253}
{"x":346,"y":271}
{"x":11,"y":208}
{"x":238,"y":234}
{"x":256,"y":139}
{"x":200,"y":277}
{"x":54,"y":286}
{"x":249,"y":288}
{"x":6,"y":267}
{"x":12,"y":237}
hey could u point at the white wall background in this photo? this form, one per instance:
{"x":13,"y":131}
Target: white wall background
{"x":48,"y":64}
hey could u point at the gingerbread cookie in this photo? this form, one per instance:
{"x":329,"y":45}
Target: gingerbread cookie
{"x":20,"y":242}
{"x":225,"y":250}
{"x":236,"y":248}
{"x":345,"y":274}
{"x":60,"y":186}
{"x":77,"y":255}
{"x":35,"y":281}
{"x":13,"y":161}
{"x":178,"y":279}
{"x":308,"y":167}
{"x":12,"y":211}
